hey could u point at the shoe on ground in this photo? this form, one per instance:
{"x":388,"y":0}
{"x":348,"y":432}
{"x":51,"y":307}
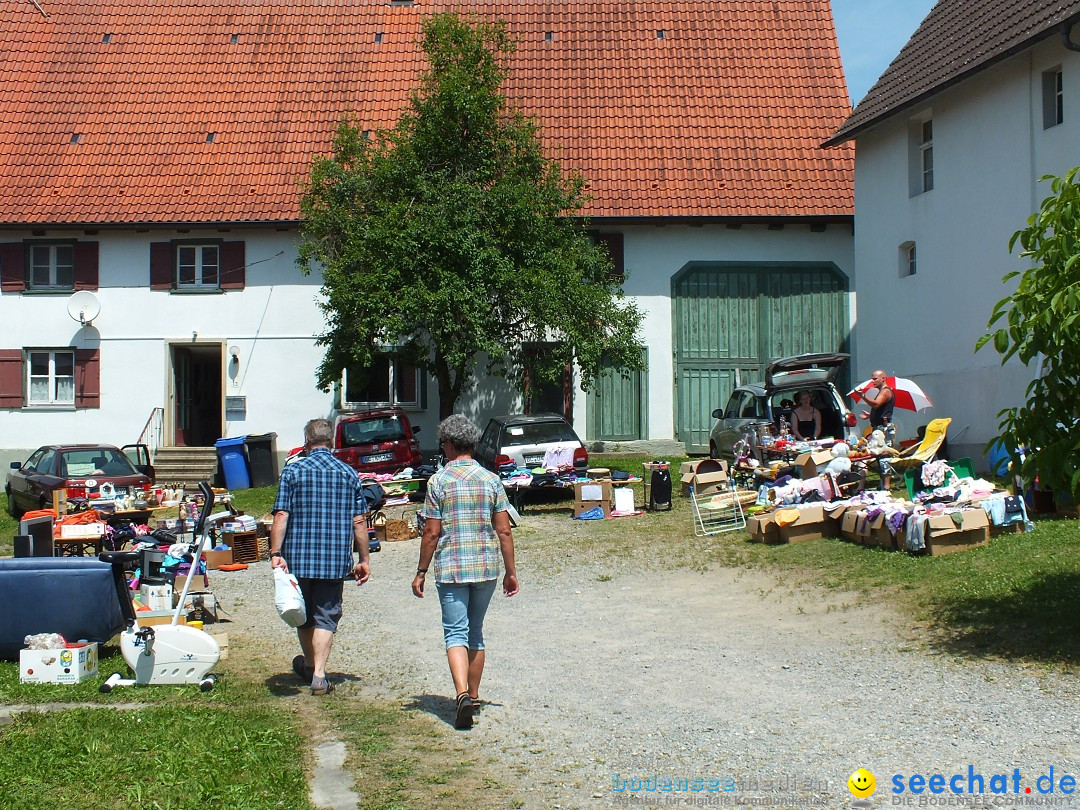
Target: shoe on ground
{"x":302,"y":670}
{"x":463,"y":717}
{"x":321,"y":686}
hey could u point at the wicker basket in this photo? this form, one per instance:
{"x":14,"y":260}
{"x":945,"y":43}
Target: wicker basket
{"x":391,"y":531}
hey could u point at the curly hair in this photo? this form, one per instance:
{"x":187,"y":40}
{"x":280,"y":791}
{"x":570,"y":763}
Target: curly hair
{"x":460,"y":432}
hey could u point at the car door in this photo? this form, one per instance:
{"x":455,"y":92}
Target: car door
{"x":743,"y":409}
{"x":139,"y":456}
{"x":40,"y":480}
{"x":486,"y":447}
{"x":18,"y":480}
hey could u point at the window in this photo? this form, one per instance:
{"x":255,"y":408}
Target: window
{"x":613,"y":243}
{"x":1053,"y":98}
{"x":921,"y":155}
{"x":907,"y":259}
{"x":197,"y":266}
{"x":48,"y":265}
{"x":926,"y":150}
{"x":50,"y":377}
{"x":386,"y":382}
{"x":52,"y":267}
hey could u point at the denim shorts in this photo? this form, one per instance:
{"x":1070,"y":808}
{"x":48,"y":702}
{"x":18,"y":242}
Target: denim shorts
{"x":463,"y":609}
{"x":322,"y":598}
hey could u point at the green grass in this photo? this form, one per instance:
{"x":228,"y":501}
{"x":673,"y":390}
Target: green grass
{"x":190,"y":756}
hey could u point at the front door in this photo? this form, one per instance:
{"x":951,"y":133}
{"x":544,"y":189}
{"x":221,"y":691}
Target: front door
{"x":197,"y":405}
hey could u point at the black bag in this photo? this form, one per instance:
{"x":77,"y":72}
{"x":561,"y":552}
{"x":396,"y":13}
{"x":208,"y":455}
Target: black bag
{"x":660,"y":489}
{"x":373,"y":493}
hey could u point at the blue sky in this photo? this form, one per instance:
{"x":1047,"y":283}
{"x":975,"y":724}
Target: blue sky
{"x":871,"y":33}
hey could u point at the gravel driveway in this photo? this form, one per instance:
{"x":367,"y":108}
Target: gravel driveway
{"x":777,"y":693}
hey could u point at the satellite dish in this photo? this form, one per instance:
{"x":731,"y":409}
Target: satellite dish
{"x":83,"y":307}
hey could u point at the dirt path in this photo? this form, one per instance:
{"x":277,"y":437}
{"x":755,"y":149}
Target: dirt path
{"x":598,"y":685}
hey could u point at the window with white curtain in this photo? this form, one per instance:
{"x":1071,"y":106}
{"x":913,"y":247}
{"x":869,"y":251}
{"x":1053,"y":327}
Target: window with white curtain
{"x":50,"y":376}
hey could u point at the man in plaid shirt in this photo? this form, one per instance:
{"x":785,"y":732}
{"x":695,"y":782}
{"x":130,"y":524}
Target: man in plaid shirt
{"x":319,"y":517}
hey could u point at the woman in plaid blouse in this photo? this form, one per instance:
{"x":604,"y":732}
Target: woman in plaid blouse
{"x":466,"y":530}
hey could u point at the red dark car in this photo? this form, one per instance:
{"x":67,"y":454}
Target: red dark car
{"x":380,"y":441}
{"x":81,"y":469}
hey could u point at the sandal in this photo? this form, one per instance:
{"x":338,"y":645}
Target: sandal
{"x":321,"y":686}
{"x":302,"y":670}
{"x":463,"y":718}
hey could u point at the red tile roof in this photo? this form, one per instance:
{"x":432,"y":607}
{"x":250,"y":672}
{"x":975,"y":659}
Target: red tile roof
{"x":106,"y":106}
{"x":957,"y":39}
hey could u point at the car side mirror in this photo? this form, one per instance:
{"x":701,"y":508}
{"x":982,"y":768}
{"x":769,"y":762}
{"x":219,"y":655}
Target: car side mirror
{"x":717,"y":413}
{"x":416,"y":429}
{"x":16,"y":465}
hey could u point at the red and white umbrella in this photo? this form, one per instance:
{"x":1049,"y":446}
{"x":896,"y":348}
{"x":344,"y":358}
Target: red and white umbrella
{"x":906,"y":394}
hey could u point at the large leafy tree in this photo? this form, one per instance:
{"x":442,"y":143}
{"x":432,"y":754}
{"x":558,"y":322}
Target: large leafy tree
{"x":1040,"y":323}
{"x":452,"y":236}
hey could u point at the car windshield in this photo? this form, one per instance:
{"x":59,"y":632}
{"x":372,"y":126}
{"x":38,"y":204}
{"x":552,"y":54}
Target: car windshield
{"x":92,"y":461}
{"x":538,"y":433}
{"x":370,"y":431}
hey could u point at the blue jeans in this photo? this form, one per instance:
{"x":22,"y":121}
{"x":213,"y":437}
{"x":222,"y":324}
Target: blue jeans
{"x":463,"y":609}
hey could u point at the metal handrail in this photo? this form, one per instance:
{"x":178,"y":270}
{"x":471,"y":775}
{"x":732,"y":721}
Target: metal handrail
{"x":153,"y":432}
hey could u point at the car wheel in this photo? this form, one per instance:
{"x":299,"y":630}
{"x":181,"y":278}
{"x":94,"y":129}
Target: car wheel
{"x":13,"y":510}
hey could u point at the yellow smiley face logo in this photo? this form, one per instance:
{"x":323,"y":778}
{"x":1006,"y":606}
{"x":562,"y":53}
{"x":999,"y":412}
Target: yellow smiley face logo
{"x":862,"y":783}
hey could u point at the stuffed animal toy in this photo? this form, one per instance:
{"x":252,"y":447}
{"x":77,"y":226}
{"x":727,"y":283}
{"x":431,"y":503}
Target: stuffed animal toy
{"x":877,"y":446}
{"x":876,"y":443}
{"x":840,"y":462}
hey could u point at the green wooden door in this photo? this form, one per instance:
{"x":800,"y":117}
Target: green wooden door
{"x":731,"y":320}
{"x":617,"y":406}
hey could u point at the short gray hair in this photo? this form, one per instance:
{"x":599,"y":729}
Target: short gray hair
{"x":319,"y":432}
{"x":460,"y":432}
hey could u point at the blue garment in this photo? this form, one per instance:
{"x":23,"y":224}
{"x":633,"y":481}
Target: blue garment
{"x":464,"y":606}
{"x":321,"y":495}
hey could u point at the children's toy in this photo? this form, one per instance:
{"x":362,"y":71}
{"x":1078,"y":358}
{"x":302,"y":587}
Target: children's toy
{"x":171,"y":653}
{"x":840,"y":462}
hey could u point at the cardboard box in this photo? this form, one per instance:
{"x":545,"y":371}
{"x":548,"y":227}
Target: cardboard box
{"x":68,"y":665}
{"x":943,"y":535}
{"x":875,"y":532}
{"x":810,"y":464}
{"x":201,"y":607}
{"x":833,"y":516}
{"x":810,"y":524}
{"x":849,"y":522}
{"x":200,"y":583}
{"x":150,"y":618}
{"x":763,"y":528}
{"x":707,"y":476}
{"x":215,"y":559}
{"x":590,"y":494}
{"x":156,"y":597}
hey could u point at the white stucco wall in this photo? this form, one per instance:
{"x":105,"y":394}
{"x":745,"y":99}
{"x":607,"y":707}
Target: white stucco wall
{"x":989,"y":150}
{"x":273,"y":321}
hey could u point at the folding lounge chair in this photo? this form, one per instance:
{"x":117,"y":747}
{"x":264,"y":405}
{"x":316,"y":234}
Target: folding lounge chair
{"x":926,"y":449}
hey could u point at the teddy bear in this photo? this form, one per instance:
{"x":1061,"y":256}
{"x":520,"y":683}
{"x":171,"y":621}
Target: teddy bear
{"x":876,"y":445}
{"x":840,"y":462}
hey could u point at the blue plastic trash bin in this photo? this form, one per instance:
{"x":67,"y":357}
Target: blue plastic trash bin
{"x":234,"y":462}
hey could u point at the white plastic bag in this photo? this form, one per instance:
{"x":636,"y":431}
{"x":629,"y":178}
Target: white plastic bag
{"x":288,"y":599}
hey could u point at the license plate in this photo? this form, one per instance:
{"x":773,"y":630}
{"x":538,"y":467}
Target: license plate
{"x":533,"y":461}
{"x":376,"y":458}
